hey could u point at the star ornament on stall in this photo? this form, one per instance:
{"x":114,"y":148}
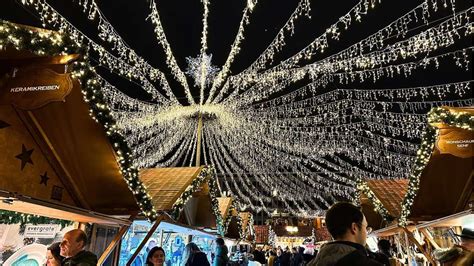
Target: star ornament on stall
{"x":25,"y":156}
{"x":201,"y":67}
{"x":44,"y":179}
{"x":3,"y":124}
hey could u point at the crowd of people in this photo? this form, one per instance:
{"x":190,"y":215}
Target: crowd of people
{"x":345,"y":222}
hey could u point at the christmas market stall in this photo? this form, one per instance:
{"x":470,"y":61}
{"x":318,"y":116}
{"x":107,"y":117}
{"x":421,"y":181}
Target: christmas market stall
{"x":184,"y":197}
{"x":63,"y":161}
{"x":231,"y":219}
{"x":380,"y":201}
{"x":440,"y":192}
{"x":438,"y":198}
{"x":248,"y":232}
{"x":292,"y":236}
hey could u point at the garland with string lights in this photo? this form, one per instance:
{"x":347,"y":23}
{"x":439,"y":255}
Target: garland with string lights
{"x":207,"y":174}
{"x":11,"y":217}
{"x":251,"y":229}
{"x":240,"y":226}
{"x":271,"y":237}
{"x":53,"y":43}
{"x":461,"y":120}
{"x":214,"y":193}
{"x":378,"y":206}
{"x":232,"y":209}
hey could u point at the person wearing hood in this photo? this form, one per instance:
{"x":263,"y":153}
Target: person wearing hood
{"x":193,"y":256}
{"x":72,"y":249}
{"x":221,"y":258}
{"x":347,"y":225}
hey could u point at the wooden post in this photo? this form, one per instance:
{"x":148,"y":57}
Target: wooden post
{"x":412,"y":239}
{"x":113,"y":244}
{"x":123,"y":229}
{"x":407,"y":243}
{"x":161,"y":237}
{"x":198,"y":145}
{"x":430,"y":238}
{"x":142,"y":244}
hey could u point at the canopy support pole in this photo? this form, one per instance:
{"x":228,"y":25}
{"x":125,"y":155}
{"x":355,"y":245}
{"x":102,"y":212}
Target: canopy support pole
{"x":198,"y":142}
{"x":113,"y":244}
{"x":123,"y":229}
{"x":430,"y":238}
{"x":413,"y":240}
{"x":150,"y":233}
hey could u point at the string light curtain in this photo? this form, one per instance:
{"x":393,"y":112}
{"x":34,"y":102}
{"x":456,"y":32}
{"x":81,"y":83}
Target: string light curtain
{"x":300,"y":132}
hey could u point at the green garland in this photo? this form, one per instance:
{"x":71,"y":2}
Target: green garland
{"x":378,"y":206}
{"x":229,"y":216}
{"x":271,"y":237}
{"x":214,"y":193}
{"x":461,"y":120}
{"x":251,"y":229}
{"x":240,"y":226}
{"x":11,"y":217}
{"x":53,"y":43}
{"x":207,"y":174}
{"x":248,"y":230}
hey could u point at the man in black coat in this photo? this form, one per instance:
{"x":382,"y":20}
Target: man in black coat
{"x":348,"y":226}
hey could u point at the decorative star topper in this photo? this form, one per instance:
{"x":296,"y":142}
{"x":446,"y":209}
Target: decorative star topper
{"x":200,"y":68}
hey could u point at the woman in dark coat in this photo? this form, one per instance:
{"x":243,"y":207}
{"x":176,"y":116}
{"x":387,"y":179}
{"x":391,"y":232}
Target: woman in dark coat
{"x":193,"y":256}
{"x":221,"y":258}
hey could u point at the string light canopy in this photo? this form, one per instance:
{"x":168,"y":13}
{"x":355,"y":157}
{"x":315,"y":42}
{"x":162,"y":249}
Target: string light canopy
{"x":297,"y":127}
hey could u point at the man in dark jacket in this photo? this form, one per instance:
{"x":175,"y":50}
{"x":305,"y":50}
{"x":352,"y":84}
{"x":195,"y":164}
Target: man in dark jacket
{"x":72,"y":248}
{"x":348,"y":226}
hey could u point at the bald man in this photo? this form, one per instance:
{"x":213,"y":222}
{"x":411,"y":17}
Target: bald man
{"x":72,"y":248}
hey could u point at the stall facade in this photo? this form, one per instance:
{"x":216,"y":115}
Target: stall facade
{"x":60,"y":151}
{"x":438,"y":194}
{"x":184,"y":197}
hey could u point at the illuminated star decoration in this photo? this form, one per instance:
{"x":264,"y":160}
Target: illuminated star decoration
{"x":44,"y":179}
{"x":195,"y":69}
{"x":25,"y":156}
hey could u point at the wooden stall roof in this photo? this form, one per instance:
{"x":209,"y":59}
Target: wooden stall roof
{"x":390,"y":193}
{"x":66,"y":144}
{"x":245,"y":217}
{"x":165,"y":185}
{"x":224,"y":205}
{"x":446,"y":183}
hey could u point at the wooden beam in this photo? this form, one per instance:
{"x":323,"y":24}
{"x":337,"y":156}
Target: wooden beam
{"x":407,"y":248}
{"x":150,"y":233}
{"x":413,"y":240}
{"x":113,"y":244}
{"x":430,"y":238}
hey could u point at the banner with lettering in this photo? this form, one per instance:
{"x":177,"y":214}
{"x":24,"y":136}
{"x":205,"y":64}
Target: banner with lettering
{"x":34,"y":87}
{"x":41,"y":231}
{"x":456,"y":141}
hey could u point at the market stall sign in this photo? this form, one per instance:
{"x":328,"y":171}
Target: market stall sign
{"x":34,"y":87}
{"x":41,"y":231}
{"x":458,"y":142}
